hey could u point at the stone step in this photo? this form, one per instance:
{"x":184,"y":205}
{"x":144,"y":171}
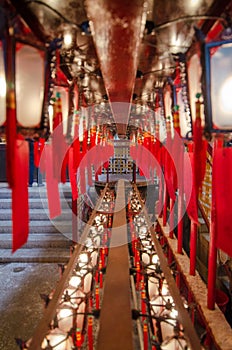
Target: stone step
{"x":38,"y":214}
{"x":35,"y":203}
{"x":37,"y":192}
{"x":36,"y":255}
{"x":49,"y":241}
{"x":39,"y":226}
{"x":39,"y":240}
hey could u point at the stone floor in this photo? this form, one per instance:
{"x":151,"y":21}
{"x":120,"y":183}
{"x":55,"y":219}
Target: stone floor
{"x":21,"y":306}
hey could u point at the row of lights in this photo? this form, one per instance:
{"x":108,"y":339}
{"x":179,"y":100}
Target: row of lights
{"x":80,"y":301}
{"x":157,"y":305}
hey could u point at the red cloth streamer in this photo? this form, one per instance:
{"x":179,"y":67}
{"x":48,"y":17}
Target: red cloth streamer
{"x":169,"y":168}
{"x":20,"y":210}
{"x":72,"y":174}
{"x":90,"y":333}
{"x":64,"y":167}
{"x":11,"y":123}
{"x":142,"y":158}
{"x":97,"y":298}
{"x":76,"y":153}
{"x":52,"y":185}
{"x":145,"y":335}
{"x":42,"y":163}
{"x":222,"y":194}
{"x":38,"y":148}
{"x":78,"y":338}
{"x":58,"y":143}
{"x":10,"y":138}
{"x":200,"y":149}
{"x":192,"y":207}
{"x":143,"y":303}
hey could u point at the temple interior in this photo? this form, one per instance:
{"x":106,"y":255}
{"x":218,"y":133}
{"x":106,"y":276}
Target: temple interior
{"x":115,"y":175}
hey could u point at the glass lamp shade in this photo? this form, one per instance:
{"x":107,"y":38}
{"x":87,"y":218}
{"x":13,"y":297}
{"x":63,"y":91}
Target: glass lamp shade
{"x":2,"y":88}
{"x":75,"y":281}
{"x":87,"y":283}
{"x":94,"y":257}
{"x":29,"y":75}
{"x":81,"y":315}
{"x":194,"y":81}
{"x":217,"y":80}
{"x":64,"y":95}
{"x":65,"y":319}
{"x":221,"y":86}
{"x":57,"y":340}
{"x":153,"y":286}
{"x":146,"y":258}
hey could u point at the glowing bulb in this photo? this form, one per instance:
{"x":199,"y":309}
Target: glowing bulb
{"x":164,"y":290}
{"x":65,"y":313}
{"x":2,"y":87}
{"x":143,"y":230}
{"x":67,"y":39}
{"x":195,"y":2}
{"x":154,"y":259}
{"x":79,"y":62}
{"x":174,"y":313}
{"x":83,"y":258}
{"x":57,"y":340}
{"x":75,"y":281}
{"x":145,"y":258}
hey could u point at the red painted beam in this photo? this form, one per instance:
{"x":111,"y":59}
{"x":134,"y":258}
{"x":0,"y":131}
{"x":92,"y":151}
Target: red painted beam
{"x":117,"y":28}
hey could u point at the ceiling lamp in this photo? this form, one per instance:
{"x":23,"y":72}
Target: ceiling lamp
{"x":29,"y":65}
{"x":194,"y":81}
{"x":217,"y":85}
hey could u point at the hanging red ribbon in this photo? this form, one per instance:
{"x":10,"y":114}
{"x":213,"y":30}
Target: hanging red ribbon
{"x":10,"y":138}
{"x":64,"y":167}
{"x":20,"y":210}
{"x":58,"y":142}
{"x":200,"y":148}
{"x":169,"y":167}
{"x":189,"y":183}
{"x":38,"y":149}
{"x":11,"y":123}
{"x":52,"y":185}
{"x":72,"y":174}
{"x":222,"y":194}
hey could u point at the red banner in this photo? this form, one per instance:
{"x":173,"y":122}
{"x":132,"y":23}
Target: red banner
{"x":72,"y":174}
{"x":222,"y":194}
{"x":189,"y":186}
{"x":20,"y":210}
{"x":52,"y":185}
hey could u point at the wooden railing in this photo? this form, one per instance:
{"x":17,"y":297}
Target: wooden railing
{"x":50,"y":311}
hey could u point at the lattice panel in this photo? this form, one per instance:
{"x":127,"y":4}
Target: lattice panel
{"x":119,"y":166}
{"x":121,"y":163}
